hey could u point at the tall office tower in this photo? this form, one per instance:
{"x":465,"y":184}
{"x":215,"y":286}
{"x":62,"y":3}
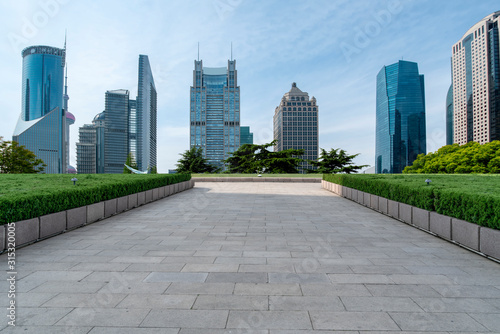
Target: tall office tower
{"x":400,"y":122}
{"x":86,"y":156}
{"x":215,"y":111}
{"x":116,"y":130}
{"x":296,"y":125}
{"x":90,"y":147}
{"x":42,"y":124}
{"x":476,"y":83}
{"x":246,"y":137}
{"x":449,"y":116}
{"x":145,"y":118}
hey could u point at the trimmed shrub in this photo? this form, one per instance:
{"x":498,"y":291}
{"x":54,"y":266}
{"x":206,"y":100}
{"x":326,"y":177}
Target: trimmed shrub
{"x":53,"y":193}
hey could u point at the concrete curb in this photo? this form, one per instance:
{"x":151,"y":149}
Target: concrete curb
{"x":52,"y":224}
{"x":257,"y":179}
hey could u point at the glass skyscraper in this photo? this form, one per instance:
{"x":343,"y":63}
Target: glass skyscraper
{"x":41,"y":127}
{"x":143,"y":141}
{"x":400,"y":121}
{"x":296,"y":125}
{"x":246,"y":137}
{"x":215,"y":111}
{"x":116,"y":130}
{"x":476,"y":83}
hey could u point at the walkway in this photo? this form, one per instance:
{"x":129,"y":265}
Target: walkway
{"x":266,"y":258}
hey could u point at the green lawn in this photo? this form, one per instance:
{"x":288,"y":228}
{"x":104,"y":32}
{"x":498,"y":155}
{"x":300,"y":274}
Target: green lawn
{"x":484,"y":184}
{"x":317,"y":176}
{"x":29,"y":184}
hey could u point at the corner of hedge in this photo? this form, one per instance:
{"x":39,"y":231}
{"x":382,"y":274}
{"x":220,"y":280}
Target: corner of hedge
{"x":478,"y":209}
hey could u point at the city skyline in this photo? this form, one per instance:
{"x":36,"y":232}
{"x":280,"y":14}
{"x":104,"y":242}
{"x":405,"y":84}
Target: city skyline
{"x":331,"y":57}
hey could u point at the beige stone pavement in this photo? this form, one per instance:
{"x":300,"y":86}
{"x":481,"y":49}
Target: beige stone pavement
{"x":267,"y":258}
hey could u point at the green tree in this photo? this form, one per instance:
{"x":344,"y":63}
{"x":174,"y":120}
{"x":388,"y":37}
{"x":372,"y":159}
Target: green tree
{"x":335,"y":161}
{"x":455,"y":159}
{"x":253,"y":158}
{"x":16,"y":159}
{"x":130,"y":162}
{"x":192,"y":161}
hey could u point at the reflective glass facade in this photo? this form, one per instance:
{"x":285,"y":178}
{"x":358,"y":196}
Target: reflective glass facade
{"x":246,"y":137}
{"x":215,"y":111}
{"x":41,"y":126}
{"x":296,"y":125}
{"x":400,"y":120}
{"x":116,"y":131}
{"x":146,"y":115}
{"x":476,"y":83}
{"x":449,"y":116}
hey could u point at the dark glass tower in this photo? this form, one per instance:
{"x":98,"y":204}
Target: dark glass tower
{"x":296,"y":125}
{"x":215,"y":111}
{"x":246,"y":137}
{"x":116,"y":130}
{"x":400,"y":122}
{"x":144,"y":144}
{"x":41,"y":126}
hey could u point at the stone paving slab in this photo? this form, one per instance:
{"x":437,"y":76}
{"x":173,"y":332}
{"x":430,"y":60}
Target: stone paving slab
{"x":263,"y":258}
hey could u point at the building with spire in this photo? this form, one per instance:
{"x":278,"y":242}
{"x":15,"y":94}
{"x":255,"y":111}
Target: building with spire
{"x":296,"y":125}
{"x":476,"y":83}
{"x":215,"y":111}
{"x":42,"y":124}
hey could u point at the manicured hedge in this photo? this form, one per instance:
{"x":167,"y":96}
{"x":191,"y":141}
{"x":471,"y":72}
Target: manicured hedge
{"x":474,"y":198}
{"x":27,"y":196}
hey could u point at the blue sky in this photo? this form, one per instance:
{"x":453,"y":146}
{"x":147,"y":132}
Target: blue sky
{"x":332,"y":49}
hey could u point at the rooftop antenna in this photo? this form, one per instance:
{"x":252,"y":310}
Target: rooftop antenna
{"x":231,"y":51}
{"x":198,"y":51}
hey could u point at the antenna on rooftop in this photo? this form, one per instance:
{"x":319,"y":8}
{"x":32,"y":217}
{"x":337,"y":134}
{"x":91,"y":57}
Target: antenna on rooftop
{"x":198,"y":51}
{"x":231,"y":51}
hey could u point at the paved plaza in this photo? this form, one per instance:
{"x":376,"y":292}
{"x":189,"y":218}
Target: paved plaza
{"x":266,"y":258}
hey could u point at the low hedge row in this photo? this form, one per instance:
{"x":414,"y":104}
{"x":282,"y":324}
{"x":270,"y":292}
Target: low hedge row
{"x":473,"y":198}
{"x":54,"y":193}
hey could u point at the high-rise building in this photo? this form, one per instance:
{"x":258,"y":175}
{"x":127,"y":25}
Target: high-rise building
{"x":86,"y":148}
{"x":476,"y":83}
{"x":296,"y":125}
{"x":116,"y":130}
{"x":449,"y":116}
{"x":400,"y":121}
{"x":41,"y":127}
{"x":246,"y":137}
{"x":145,"y":115}
{"x":90,"y":147}
{"x":215,"y":111}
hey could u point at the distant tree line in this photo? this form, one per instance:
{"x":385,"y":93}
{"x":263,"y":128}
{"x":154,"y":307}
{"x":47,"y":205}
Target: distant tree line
{"x":455,"y":159}
{"x":253,"y":158}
